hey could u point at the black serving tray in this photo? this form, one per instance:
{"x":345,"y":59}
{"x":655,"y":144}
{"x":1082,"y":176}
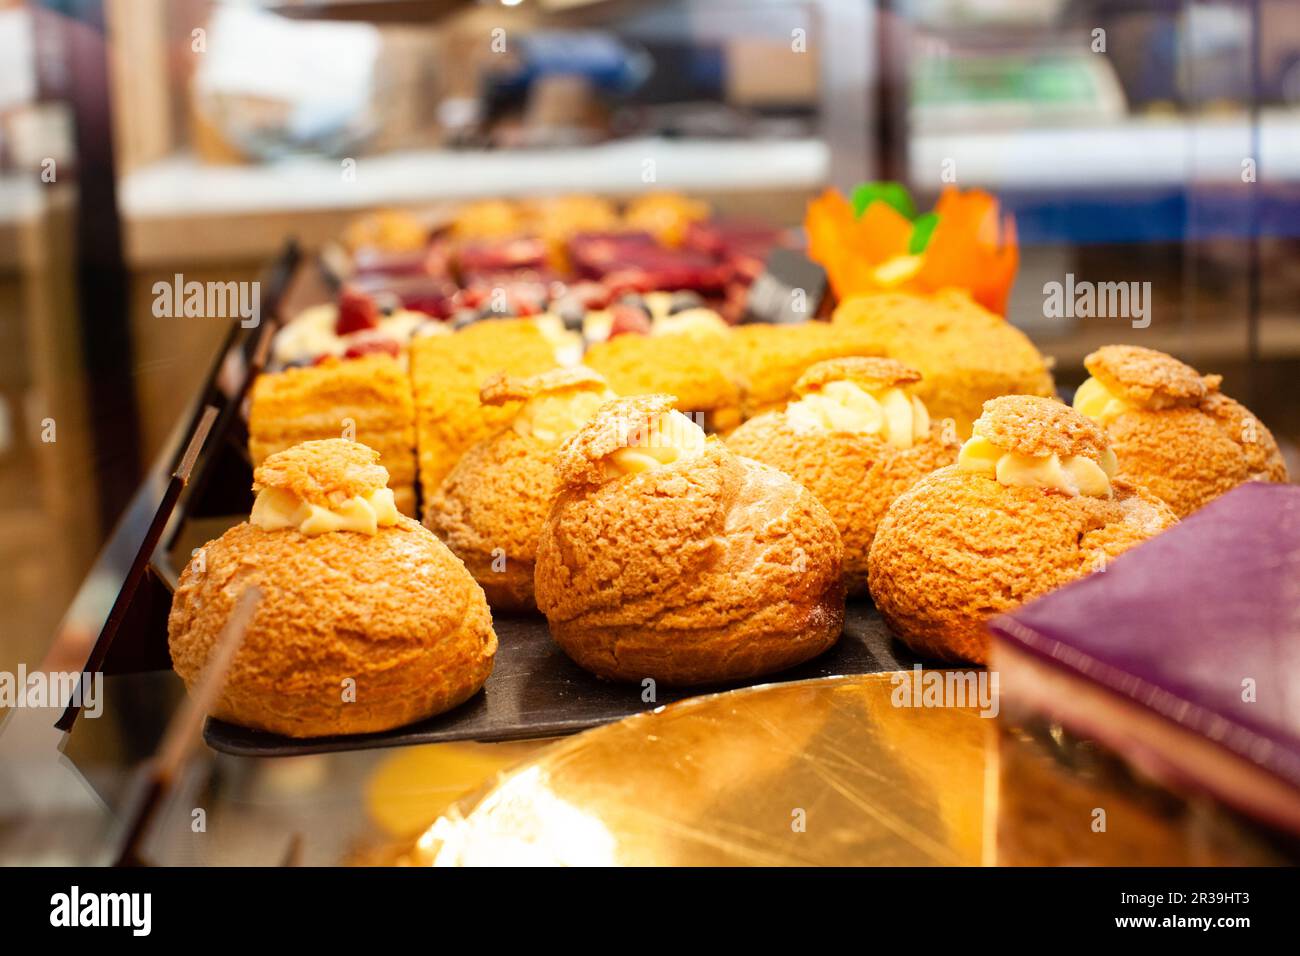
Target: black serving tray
{"x":536,"y":691}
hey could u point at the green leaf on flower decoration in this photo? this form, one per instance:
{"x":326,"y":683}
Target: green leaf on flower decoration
{"x":922,"y":230}
{"x":894,"y":194}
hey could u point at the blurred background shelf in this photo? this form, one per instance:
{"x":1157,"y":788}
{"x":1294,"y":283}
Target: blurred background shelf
{"x":1130,"y":151}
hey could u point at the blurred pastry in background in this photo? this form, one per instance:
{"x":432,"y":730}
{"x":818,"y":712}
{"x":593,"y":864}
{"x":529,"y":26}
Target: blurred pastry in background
{"x":1031,"y":504}
{"x":489,"y":219}
{"x":666,"y":216}
{"x":1172,"y":430}
{"x":966,"y":353}
{"x":857,"y":438}
{"x":667,"y":557}
{"x":557,"y":219}
{"x":768,"y":359}
{"x":446,"y":375}
{"x":490,"y":509}
{"x":387,"y":230}
{"x":366,"y":622}
{"x":368,"y":400}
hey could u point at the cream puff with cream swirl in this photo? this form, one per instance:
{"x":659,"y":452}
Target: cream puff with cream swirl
{"x":666,"y":556}
{"x":1172,"y":429}
{"x":857,"y":436}
{"x":1031,"y":504}
{"x":353,"y":596}
{"x":293,"y":490}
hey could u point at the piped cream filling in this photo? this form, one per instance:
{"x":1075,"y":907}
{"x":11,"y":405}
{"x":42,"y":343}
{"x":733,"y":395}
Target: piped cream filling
{"x":670,"y":438}
{"x":553,"y":416}
{"x":275,"y":508}
{"x":1074,"y":474}
{"x":1099,"y":403}
{"x":897,"y":417}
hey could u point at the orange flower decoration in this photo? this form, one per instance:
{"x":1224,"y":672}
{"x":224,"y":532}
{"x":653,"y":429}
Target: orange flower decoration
{"x":972,"y":246}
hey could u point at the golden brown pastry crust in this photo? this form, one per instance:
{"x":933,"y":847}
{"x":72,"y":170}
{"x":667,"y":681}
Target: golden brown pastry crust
{"x":958,"y":548}
{"x":448,"y":371}
{"x":490,"y":509}
{"x":1145,"y":377}
{"x":616,"y":424}
{"x":855,"y":476}
{"x":1190,"y":456}
{"x":501,"y":388}
{"x":767,"y":360}
{"x":673,"y":364}
{"x":709,"y":569}
{"x":304,"y":404}
{"x":965,"y":353}
{"x":869,"y":372}
{"x":492,"y":506}
{"x":1184,"y":441}
{"x":394,"y":611}
{"x":326,"y":472}
{"x":1030,"y":425}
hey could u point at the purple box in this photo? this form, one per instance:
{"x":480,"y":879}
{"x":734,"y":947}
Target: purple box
{"x":1167,"y":684}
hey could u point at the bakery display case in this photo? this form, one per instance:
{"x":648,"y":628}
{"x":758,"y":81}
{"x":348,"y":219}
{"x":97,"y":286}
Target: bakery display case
{"x":601,"y":432}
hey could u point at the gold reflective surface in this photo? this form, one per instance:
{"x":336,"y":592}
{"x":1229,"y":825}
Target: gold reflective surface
{"x":824,"y":772}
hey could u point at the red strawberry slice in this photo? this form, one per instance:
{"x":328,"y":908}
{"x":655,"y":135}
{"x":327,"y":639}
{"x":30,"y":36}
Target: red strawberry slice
{"x":372,"y":345}
{"x":628,"y":319}
{"x":357,"y":312}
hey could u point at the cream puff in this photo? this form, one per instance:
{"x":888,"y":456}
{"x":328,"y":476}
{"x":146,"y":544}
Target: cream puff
{"x":1172,"y":430}
{"x":857,"y":437}
{"x":367,"y":622}
{"x":1031,"y":504}
{"x":966,"y":353}
{"x":490,"y":509}
{"x":668,"y":557}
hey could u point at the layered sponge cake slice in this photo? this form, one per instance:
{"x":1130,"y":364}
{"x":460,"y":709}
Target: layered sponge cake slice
{"x":447,"y":372}
{"x":367,"y":399}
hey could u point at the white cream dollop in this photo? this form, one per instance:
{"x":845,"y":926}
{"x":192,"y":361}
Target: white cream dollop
{"x":897,"y":417}
{"x":1099,"y":403}
{"x":670,"y":438}
{"x":275,"y":509}
{"x":1073,"y":474}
